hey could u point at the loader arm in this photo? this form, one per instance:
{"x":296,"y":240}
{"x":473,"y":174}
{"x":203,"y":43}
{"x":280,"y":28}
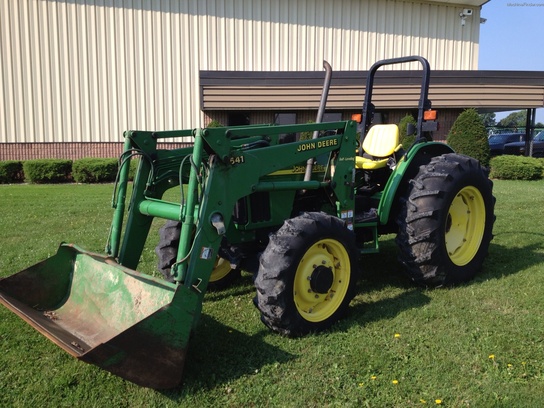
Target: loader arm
{"x":224,"y":165}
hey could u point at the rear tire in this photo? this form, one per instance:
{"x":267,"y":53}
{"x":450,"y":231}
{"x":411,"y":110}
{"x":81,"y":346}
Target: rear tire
{"x":446,"y":221}
{"x":307,"y":275}
{"x":223,"y":275}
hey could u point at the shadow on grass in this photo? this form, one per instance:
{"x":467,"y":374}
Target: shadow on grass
{"x":363,"y":313}
{"x":503,"y":261}
{"x":219,"y":354}
{"x":382,"y":270}
{"x":383,"y":273}
{"x":243,"y":286}
{"x":383,"y":279}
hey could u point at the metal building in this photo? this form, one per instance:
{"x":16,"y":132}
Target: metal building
{"x":76,"y":73}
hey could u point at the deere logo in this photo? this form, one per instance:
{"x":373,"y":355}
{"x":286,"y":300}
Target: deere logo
{"x":317,"y":145}
{"x":317,"y":168}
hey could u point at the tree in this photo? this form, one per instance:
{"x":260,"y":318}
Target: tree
{"x":489,"y":119}
{"x":469,"y":137}
{"x":515,"y":119}
{"x":406,"y":140}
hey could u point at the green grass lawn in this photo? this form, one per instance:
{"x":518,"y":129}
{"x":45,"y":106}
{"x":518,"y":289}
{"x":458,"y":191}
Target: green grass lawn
{"x":477,"y":345}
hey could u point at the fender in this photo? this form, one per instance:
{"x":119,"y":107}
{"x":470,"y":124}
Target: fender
{"x":419,"y":154}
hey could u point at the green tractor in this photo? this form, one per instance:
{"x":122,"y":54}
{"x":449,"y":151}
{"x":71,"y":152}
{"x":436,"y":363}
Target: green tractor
{"x":299,"y":214}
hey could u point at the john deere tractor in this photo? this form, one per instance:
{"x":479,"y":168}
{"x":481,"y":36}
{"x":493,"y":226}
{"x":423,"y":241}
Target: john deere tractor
{"x":299,"y":214}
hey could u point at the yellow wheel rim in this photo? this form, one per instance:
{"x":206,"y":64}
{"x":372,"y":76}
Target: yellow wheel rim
{"x":220,"y":270}
{"x":465,"y":225}
{"x":321,"y":280}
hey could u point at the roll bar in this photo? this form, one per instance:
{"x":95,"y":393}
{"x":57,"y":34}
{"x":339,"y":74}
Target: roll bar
{"x":424,"y":102}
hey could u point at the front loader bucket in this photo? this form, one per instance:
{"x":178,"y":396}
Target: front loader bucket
{"x":128,"y":323}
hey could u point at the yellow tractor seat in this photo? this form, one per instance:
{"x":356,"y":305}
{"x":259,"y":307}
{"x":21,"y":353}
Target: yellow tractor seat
{"x":380,"y":143}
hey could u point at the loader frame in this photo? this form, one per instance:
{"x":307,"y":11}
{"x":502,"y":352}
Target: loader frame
{"x":241,"y":164}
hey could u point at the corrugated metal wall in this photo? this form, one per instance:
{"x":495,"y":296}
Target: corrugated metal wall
{"x":85,"y":70}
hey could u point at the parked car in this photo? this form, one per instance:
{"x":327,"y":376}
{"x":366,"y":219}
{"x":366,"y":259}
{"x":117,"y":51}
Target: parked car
{"x":518,"y":148}
{"x":497,"y":142}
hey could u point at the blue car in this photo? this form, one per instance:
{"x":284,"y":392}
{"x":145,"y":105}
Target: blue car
{"x":497,"y":142}
{"x":518,"y":148}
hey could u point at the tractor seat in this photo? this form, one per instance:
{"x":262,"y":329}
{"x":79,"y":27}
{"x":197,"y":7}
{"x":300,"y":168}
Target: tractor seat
{"x":380,"y":143}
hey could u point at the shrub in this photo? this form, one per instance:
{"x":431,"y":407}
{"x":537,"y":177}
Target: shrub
{"x":47,"y":170}
{"x":94,"y":170}
{"x":516,"y":168}
{"x":214,"y":124}
{"x":469,"y":137}
{"x":308,"y":134}
{"x":133,"y":168}
{"x":406,"y":141}
{"x":11,"y":171}
{"x":134,"y":163}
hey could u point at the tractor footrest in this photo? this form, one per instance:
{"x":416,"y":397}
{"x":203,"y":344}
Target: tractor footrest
{"x":367,"y":216}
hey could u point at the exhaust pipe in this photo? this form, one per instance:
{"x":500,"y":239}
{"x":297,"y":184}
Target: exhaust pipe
{"x":320,"y":113}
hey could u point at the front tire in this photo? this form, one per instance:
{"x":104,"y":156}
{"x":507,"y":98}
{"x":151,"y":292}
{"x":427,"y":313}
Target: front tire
{"x":223,"y":275}
{"x":446,"y":221}
{"x":307,"y":275}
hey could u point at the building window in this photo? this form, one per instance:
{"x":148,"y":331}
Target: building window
{"x":286,"y":119}
{"x":332,"y":117}
{"x":238,"y":119}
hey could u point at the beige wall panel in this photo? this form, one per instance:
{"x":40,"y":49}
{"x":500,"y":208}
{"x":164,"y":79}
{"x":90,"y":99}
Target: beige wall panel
{"x":85,"y":70}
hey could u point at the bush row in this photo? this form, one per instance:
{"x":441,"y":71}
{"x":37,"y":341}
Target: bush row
{"x":94,"y":170}
{"x":88,"y":170}
{"x":91,"y":170}
{"x":516,"y":168}
{"x":11,"y":171}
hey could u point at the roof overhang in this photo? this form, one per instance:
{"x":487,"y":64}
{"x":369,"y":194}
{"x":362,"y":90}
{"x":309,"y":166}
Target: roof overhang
{"x":490,"y":91}
{"x":473,"y":3}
